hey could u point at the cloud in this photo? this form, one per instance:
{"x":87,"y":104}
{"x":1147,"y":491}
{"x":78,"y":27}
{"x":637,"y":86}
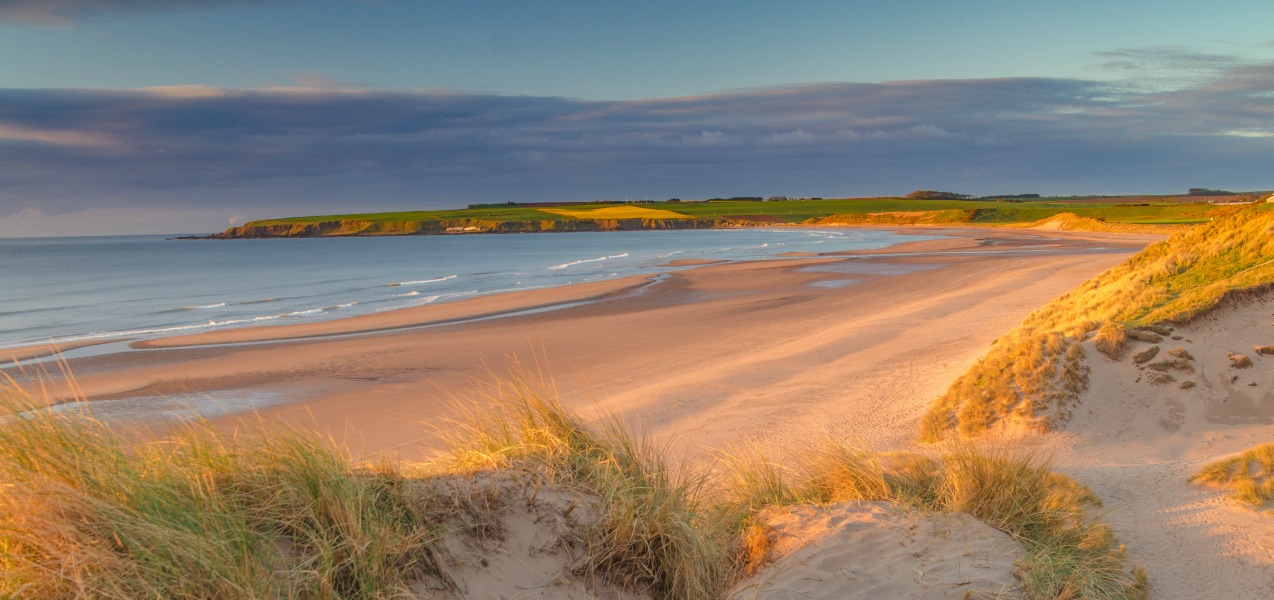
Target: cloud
{"x":791,"y":138}
{"x":1250,"y":133}
{"x":709,"y":138}
{"x":934,"y":132}
{"x":1178,"y":59}
{"x":186,"y":91}
{"x":55,"y":13}
{"x":55,"y":137}
{"x":282,"y":151}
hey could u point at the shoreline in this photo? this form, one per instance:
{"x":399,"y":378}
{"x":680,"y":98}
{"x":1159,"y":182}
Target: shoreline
{"x":504,"y":303}
{"x":735,"y":350}
{"x":156,"y":334}
{"x":492,"y":305}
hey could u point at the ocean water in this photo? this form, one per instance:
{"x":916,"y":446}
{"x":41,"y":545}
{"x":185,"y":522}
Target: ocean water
{"x":75,"y":289}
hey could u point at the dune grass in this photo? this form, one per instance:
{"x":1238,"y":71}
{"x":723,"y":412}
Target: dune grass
{"x":1035,"y":374}
{"x":658,"y":530}
{"x":682,"y":534}
{"x":87,"y":512}
{"x":1069,"y":221}
{"x":1249,"y":476}
{"x":1070,"y":553}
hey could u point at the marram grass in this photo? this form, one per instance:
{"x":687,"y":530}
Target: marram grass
{"x":657,"y":531}
{"x":1070,"y":553}
{"x":1249,"y":476}
{"x":88,"y":513}
{"x":1034,"y":374}
{"x":680,"y":534}
{"x":85,"y":513}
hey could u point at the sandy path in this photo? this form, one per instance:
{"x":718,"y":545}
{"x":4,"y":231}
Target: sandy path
{"x":1194,"y":542}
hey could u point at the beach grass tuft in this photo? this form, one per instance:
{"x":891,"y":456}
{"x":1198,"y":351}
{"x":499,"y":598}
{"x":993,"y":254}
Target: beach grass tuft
{"x":1070,"y":553}
{"x":1249,"y":476}
{"x":90,"y":512}
{"x":658,"y":530}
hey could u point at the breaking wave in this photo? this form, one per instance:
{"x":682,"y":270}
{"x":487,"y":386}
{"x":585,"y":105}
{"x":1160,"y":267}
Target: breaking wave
{"x":586,"y":260}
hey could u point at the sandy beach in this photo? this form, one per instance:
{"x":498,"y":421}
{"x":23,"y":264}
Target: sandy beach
{"x":852,"y":346}
{"x":22,"y":353}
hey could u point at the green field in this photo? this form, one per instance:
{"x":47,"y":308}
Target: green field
{"x":512,"y":213}
{"x":1140,"y":210}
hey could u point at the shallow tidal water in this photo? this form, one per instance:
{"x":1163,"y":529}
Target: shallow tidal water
{"x":66,"y":290}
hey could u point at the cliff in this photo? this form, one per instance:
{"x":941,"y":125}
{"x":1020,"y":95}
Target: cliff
{"x":366,"y":227}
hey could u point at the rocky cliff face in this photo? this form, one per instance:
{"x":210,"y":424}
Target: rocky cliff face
{"x":360,"y":227}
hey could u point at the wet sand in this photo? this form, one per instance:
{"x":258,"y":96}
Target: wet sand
{"x":42,"y":350}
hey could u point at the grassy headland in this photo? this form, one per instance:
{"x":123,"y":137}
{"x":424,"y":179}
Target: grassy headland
{"x":1034,"y":374}
{"x":1164,"y":211}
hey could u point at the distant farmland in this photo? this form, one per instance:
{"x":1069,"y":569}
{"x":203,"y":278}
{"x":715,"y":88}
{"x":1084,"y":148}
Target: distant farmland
{"x":1131,"y":212}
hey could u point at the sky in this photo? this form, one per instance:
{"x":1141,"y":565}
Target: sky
{"x":189,"y":116}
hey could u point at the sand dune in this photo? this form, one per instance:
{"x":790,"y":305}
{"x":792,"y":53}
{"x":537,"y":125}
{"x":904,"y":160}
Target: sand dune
{"x":876,"y":550}
{"x":1138,"y":438}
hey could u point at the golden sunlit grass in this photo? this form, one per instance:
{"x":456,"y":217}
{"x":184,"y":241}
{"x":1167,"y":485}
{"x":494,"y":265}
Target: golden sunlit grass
{"x":657,"y":529}
{"x":617,"y":212}
{"x":87,"y":512}
{"x":1068,"y":221}
{"x":1034,"y":374}
{"x":663,"y":529}
{"x":926,"y":217}
{"x":1249,"y":476}
{"x":983,"y":217}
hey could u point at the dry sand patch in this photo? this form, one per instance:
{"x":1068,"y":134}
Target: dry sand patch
{"x":876,"y":550}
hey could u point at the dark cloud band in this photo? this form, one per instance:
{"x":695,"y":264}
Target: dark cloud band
{"x":60,"y":12}
{"x":63,"y":150}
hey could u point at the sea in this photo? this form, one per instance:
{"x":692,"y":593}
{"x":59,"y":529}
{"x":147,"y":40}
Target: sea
{"x":67,"y":290}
